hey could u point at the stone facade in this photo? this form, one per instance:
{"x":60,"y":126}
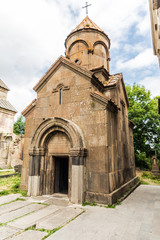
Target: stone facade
{"x":11,"y":146}
{"x":155,"y":24}
{"x":155,"y":167}
{"x":78,"y":138}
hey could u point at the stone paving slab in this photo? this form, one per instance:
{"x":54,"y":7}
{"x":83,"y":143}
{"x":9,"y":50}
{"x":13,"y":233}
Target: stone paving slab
{"x":30,"y":235}
{"x":20,"y":212}
{"x":6,"y":232}
{"x":59,"y":218}
{"x":12,"y":206}
{"x":9,"y":198}
{"x":137,"y":218}
{"x":31,"y":219}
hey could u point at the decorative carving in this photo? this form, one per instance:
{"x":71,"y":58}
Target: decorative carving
{"x":60,"y":86}
{"x":78,"y":152}
{"x":90,"y":50}
{"x":156,"y":4}
{"x":155,"y":168}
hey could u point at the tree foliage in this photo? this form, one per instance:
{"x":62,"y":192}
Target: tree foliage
{"x":143,"y":111}
{"x":19,"y":126}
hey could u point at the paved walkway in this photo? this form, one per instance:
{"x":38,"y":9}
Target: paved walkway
{"x":137,"y":218}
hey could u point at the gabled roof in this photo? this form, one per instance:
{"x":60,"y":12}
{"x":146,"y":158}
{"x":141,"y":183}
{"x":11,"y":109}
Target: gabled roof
{"x":64,"y":61}
{"x":87,"y":23}
{"x":3,"y":85}
{"x":7,"y":106}
{"x":112,"y":82}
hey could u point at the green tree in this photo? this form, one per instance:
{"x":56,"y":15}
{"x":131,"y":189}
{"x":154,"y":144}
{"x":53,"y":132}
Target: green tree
{"x":143,"y":111}
{"x":19,"y":126}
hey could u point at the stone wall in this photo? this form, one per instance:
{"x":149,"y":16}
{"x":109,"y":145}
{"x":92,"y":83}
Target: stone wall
{"x":11,"y":150}
{"x":6,"y":121}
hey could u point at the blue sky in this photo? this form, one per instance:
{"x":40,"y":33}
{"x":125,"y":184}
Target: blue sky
{"x":32,"y":35}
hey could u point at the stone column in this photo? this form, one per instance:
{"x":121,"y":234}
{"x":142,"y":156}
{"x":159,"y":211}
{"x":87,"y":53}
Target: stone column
{"x":34,"y":172}
{"x":77,"y":185}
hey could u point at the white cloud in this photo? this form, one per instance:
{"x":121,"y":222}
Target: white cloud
{"x":32,"y":35}
{"x":142,"y":60}
{"x":152,"y":84}
{"x":144,"y":26}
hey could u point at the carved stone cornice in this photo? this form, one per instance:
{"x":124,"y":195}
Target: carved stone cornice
{"x":60,"y":86}
{"x":75,"y":152}
{"x":37,"y":152}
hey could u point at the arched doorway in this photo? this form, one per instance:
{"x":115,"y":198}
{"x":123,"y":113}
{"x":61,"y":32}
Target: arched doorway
{"x":57,"y":157}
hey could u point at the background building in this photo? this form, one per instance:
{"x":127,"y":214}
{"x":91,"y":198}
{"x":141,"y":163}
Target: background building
{"x":11,"y":145}
{"x":155,"y":23}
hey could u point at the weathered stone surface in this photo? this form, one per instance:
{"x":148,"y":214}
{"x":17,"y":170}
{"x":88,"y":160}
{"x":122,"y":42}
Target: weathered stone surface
{"x":12,"y":206}
{"x":80,"y":114}
{"x":10,"y":148}
{"x":9,"y":198}
{"x":6,"y":217}
{"x":58,"y":201}
{"x":59,"y":218}
{"x":33,"y":218}
{"x":137,"y":218}
{"x":6,"y":232}
{"x":30,"y":235}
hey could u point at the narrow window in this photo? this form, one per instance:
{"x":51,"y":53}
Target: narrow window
{"x":60,"y":96}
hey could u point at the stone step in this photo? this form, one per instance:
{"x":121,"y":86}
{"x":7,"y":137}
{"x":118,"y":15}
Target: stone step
{"x":12,"y":206}
{"x":9,"y":198}
{"x":58,"y":201}
{"x":31,"y":219}
{"x":20,"y":212}
{"x":30,"y":235}
{"x":59,"y":218}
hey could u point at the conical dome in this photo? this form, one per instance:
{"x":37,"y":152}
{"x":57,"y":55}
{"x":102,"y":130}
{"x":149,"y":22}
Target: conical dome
{"x":88,"y":46}
{"x":87,"y":23}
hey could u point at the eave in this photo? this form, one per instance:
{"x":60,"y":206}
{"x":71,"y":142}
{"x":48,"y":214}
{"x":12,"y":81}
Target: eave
{"x":107,"y":102}
{"x":29,"y":108}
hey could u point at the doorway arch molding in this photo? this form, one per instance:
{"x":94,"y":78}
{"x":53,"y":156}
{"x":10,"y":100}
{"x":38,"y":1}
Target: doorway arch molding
{"x":73,"y":132}
{"x":38,"y":150}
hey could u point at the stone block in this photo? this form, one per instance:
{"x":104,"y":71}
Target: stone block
{"x":12,"y":206}
{"x":9,"y":198}
{"x":32,"y":219}
{"x":30,"y":235}
{"x":6,"y":232}
{"x":59,"y":218}
{"x":6,"y":217}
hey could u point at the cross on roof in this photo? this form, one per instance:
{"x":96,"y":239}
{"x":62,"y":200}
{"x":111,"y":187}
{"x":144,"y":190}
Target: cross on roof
{"x":87,"y":5}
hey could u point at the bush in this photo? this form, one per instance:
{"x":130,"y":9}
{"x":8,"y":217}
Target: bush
{"x":142,"y":161}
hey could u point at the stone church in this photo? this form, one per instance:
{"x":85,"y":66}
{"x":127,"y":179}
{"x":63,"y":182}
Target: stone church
{"x":78,"y":138}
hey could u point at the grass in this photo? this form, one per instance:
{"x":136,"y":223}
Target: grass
{"x":148,"y":178}
{"x":106,"y":206}
{"x":89,"y":204}
{"x":110,"y":206}
{"x":10,"y":185}
{"x":50,"y":232}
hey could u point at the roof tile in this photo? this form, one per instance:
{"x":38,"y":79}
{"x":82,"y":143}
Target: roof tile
{"x":6,"y":105}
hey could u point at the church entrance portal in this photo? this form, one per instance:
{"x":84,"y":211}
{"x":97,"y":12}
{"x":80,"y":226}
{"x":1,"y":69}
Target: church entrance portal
{"x":57,"y":156}
{"x":61,"y":175}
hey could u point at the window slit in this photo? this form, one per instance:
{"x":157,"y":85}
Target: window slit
{"x":60,"y":96}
